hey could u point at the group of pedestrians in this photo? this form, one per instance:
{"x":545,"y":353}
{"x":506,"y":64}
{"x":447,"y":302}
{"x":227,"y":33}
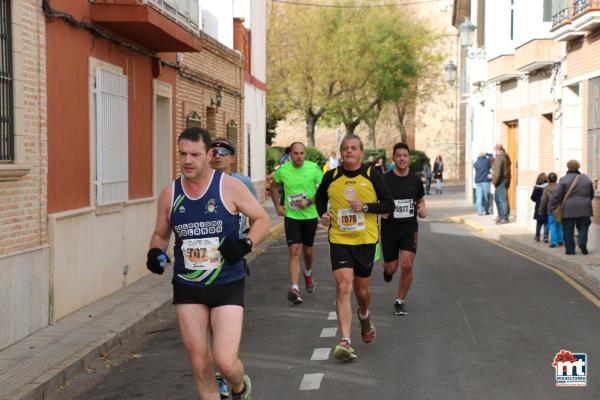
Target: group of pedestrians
{"x":562,"y":206}
{"x":204,"y":209}
{"x":436,"y":173}
{"x":493,"y":169}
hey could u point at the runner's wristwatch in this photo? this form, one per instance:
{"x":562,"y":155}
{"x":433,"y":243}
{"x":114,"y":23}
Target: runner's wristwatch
{"x":248,"y":242}
{"x":365,"y":207}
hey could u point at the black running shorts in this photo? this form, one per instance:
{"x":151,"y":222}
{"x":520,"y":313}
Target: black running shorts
{"x":392,"y":242}
{"x":212,"y":296}
{"x":300,"y":231}
{"x":358,"y":256}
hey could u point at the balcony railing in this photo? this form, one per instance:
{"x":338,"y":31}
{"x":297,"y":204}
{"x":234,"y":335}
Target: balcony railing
{"x":560,"y":16}
{"x":185,"y":12}
{"x":160,"y":25}
{"x":580,"y":6}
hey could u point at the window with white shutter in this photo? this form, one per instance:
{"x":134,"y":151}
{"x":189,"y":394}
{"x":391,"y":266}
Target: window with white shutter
{"x":111,"y":138}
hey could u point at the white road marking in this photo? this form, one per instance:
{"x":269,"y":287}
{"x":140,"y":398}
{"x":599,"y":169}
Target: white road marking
{"x":329,"y":332}
{"x":311,"y":382}
{"x":332,"y":316}
{"x":320,"y":354}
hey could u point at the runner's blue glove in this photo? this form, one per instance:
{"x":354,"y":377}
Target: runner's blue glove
{"x":153,"y":262}
{"x":233,"y":250}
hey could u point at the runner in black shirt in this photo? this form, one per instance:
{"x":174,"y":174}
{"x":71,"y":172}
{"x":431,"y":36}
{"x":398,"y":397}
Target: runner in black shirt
{"x":399,"y":231}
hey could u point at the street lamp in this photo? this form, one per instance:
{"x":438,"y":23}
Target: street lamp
{"x":450,"y":70}
{"x":467,"y":33}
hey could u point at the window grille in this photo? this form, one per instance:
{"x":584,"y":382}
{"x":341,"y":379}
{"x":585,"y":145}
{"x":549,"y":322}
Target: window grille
{"x":7,"y":134}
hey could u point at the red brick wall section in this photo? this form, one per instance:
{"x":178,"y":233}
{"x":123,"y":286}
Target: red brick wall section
{"x":215,"y":64}
{"x":23,"y":204}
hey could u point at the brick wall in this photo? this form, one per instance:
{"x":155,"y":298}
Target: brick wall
{"x":214,"y":65}
{"x":23,"y":203}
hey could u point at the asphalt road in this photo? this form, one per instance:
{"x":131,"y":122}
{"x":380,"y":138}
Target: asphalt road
{"x":482,"y":323}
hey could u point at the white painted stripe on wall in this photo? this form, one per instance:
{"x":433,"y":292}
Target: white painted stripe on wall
{"x":311,"y":381}
{"x":332,"y":316}
{"x":320,"y":354}
{"x":329,"y":332}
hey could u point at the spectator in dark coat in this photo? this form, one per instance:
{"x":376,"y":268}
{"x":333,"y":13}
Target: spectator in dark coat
{"x":576,"y":211}
{"x":483,"y":179}
{"x":539,"y":215}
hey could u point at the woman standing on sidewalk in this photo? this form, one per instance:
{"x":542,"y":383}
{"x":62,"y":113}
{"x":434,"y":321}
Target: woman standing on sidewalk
{"x":438,"y":170}
{"x":540,"y":216}
{"x":574,"y":196}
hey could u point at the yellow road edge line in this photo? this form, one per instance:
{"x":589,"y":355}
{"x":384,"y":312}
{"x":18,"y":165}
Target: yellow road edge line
{"x":580,"y":288}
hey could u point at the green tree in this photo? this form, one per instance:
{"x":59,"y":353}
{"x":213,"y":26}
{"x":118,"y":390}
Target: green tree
{"x":382,"y":58}
{"x":298,"y":62}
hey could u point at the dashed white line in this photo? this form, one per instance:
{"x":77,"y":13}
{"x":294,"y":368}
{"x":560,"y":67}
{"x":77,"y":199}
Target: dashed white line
{"x":329,"y":332}
{"x":332,"y":316}
{"x":320,"y":354}
{"x":311,"y":381}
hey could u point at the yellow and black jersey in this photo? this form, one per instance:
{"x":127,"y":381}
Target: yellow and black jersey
{"x":338,"y":188}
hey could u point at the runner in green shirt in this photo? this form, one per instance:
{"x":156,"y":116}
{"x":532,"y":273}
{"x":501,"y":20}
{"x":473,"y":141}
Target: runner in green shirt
{"x":300,"y":179}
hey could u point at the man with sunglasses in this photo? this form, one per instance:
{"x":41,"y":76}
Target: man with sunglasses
{"x":300,"y":179}
{"x":223,"y":160}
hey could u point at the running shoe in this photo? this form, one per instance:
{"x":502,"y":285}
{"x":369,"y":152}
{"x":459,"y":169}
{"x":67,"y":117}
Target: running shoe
{"x":399,"y":308}
{"x":223,"y":388}
{"x":245,"y":395}
{"x":344,"y":352}
{"x":387,"y":277}
{"x":310,"y":284}
{"x":294,"y":296}
{"x":367,"y":329}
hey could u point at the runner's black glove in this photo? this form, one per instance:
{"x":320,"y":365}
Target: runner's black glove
{"x":233,"y":250}
{"x":153,"y":263}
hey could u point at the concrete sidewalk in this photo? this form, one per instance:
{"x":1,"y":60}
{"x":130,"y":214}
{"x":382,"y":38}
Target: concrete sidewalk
{"x":585,"y":270}
{"x":40,"y":364}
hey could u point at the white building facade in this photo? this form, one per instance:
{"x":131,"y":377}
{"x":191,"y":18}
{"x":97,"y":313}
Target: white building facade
{"x":512,"y":87}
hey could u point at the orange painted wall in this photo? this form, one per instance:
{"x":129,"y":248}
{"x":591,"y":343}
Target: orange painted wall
{"x":69,"y":136}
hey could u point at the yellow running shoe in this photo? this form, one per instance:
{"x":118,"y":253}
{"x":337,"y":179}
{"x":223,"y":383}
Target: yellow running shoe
{"x":344,"y":352}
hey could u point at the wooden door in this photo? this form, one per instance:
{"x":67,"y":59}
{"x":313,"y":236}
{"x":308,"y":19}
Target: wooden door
{"x":512,"y":149}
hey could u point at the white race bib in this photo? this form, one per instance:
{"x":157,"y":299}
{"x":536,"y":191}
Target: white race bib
{"x":294,"y":199}
{"x":349,"y":220}
{"x":405,"y":208}
{"x":201,"y":254}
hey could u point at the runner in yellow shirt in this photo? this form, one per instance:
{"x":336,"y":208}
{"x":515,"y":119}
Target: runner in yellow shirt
{"x":356,"y":194}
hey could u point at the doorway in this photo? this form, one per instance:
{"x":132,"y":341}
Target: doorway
{"x":512,"y":149}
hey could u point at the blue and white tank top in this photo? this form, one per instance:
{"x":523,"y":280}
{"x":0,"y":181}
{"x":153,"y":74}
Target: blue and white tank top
{"x":200,"y":225}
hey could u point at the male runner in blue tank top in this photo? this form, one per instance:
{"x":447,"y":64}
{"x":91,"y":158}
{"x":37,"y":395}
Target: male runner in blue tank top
{"x":201,"y":208}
